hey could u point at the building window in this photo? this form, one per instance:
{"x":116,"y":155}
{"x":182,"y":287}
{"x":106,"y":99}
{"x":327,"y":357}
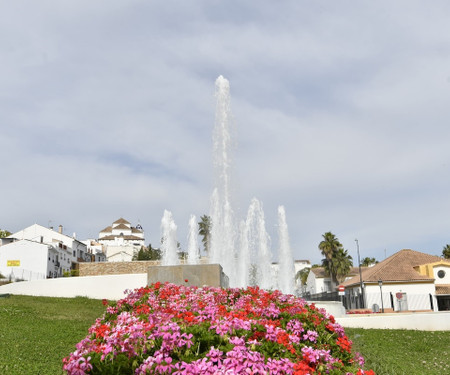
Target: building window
{"x":441,"y":274}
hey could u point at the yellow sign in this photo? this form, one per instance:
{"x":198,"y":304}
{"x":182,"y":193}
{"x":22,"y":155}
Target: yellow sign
{"x":13,"y":263}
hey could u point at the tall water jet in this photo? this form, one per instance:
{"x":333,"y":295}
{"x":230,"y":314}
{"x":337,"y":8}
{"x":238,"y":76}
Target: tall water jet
{"x":251,"y":263}
{"x":193,"y":249}
{"x":169,"y":242}
{"x":286,"y":271}
{"x":254,"y":259}
{"x":223,"y":231}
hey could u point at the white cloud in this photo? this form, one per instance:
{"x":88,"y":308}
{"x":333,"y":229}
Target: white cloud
{"x":107,"y":110}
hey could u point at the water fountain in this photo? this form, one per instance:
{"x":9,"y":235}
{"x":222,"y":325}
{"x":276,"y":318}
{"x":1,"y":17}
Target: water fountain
{"x":193,"y":252}
{"x":169,"y":241}
{"x":251,"y":265}
{"x":244,"y":253}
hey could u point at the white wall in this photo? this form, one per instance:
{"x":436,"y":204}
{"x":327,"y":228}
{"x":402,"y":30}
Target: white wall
{"x":417,"y":295}
{"x":446,"y":278}
{"x":33,"y":259}
{"x":98,"y":287}
{"x":432,"y":321}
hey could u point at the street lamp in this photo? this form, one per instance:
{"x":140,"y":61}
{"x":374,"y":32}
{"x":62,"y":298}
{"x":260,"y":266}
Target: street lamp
{"x":360,"y":275}
{"x":380,"y":283}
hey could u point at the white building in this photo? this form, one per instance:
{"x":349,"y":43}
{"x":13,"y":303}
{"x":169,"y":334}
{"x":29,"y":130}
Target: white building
{"x":95,"y":249}
{"x":319,"y":281}
{"x":120,"y":240}
{"x":406,"y":281}
{"x":40,"y":252}
{"x":298,"y":266}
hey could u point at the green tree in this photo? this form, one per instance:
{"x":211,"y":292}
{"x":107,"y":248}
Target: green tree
{"x":446,"y":252}
{"x":147,"y":253}
{"x":337,"y":261}
{"x":4,"y":233}
{"x":339,"y":265}
{"x":302,"y":275}
{"x":204,"y":230}
{"x":368,"y":261}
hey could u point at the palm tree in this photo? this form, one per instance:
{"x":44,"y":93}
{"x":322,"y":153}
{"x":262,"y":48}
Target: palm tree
{"x":446,"y":252}
{"x":368,"y":261}
{"x":204,"y":230}
{"x":302,"y":275}
{"x":341,"y":265}
{"x":4,"y":233}
{"x":337,"y":261}
{"x":329,"y":245}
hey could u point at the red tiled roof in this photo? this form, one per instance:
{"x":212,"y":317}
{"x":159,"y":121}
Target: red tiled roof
{"x":398,"y":267}
{"x":107,"y":229}
{"x":443,"y":289}
{"x":121,"y":221}
{"x":319,"y":272}
{"x":122,"y":226}
{"x":127,"y":237}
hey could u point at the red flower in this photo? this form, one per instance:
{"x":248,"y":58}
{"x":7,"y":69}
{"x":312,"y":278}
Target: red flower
{"x":186,"y":280}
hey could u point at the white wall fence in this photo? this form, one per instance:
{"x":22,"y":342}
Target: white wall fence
{"x":422,"y":321}
{"x":23,"y":274}
{"x":407,"y":302}
{"x":391,"y":301}
{"x":97,"y":287}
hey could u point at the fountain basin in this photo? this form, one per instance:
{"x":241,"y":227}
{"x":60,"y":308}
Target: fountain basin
{"x":189,"y":274}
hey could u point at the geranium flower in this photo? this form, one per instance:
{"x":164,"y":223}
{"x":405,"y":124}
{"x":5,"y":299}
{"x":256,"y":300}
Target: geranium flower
{"x":174,"y":329}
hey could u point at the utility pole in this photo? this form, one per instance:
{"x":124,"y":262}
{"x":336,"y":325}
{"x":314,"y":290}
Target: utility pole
{"x":361,"y":285}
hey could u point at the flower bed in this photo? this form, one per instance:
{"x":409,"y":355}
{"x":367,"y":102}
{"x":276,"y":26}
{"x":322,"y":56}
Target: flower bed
{"x":172,"y":329}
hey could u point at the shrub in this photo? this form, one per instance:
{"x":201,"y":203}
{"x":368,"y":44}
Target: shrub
{"x":171,"y":329}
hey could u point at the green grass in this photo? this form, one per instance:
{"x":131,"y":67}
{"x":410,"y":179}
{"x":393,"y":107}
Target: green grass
{"x":36,"y":333}
{"x":403,"y":352}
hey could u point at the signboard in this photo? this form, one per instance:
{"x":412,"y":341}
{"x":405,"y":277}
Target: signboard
{"x":341,"y":289}
{"x":13,"y":263}
{"x":399,"y":295}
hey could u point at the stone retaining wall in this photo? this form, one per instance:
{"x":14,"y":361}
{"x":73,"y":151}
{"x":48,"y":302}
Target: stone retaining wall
{"x":120,"y":268}
{"x":116,"y":268}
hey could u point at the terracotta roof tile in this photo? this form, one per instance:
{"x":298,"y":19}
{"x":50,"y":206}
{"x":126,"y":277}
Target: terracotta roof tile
{"x":127,"y":237}
{"x":319,"y":272}
{"x":443,"y":289}
{"x":122,"y":226}
{"x":398,"y":267}
{"x":121,"y":221}
{"x":107,"y":229}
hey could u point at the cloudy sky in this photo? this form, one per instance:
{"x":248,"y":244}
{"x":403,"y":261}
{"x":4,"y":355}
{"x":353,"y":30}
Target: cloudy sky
{"x":341,"y":113}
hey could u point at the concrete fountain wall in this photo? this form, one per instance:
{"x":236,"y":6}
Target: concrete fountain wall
{"x":189,"y":274}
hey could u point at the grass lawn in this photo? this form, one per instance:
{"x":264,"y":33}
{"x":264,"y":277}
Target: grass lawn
{"x":37,"y":332}
{"x":403,"y":352}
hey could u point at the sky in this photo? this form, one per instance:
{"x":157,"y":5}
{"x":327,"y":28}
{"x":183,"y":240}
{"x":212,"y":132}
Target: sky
{"x":340,"y":114}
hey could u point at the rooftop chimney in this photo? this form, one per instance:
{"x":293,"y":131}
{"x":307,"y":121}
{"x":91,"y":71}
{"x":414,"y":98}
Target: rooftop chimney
{"x":60,"y":228}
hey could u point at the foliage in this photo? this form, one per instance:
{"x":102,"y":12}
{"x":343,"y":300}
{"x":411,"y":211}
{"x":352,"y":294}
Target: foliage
{"x":446,"y":252}
{"x":71,"y":273}
{"x":398,"y":352}
{"x":204,"y":230}
{"x":4,"y":233}
{"x":147,"y":253}
{"x":167,"y":328}
{"x":302,"y":275}
{"x":368,"y":261}
{"x":337,"y":261}
{"x":36,"y":332}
